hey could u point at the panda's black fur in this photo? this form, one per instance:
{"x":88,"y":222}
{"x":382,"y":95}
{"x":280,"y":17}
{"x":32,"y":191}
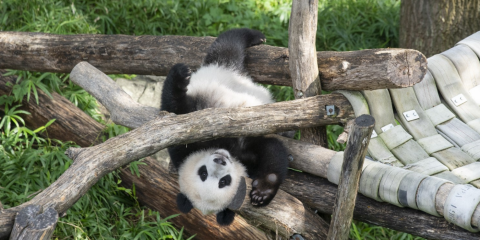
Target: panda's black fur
{"x":265,"y":158}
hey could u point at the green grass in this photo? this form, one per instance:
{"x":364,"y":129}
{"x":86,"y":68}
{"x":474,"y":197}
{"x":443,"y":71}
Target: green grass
{"x":30,"y":162}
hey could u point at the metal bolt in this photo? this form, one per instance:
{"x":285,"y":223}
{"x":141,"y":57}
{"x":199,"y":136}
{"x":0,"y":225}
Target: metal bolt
{"x":330,"y":110}
{"x":297,"y":236}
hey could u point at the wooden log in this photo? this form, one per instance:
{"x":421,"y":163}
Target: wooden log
{"x":366,"y":69}
{"x":71,"y":124}
{"x":354,"y":156}
{"x":30,"y":224}
{"x":307,"y":187}
{"x":303,"y":65}
{"x":124,"y":111}
{"x":293,"y":215}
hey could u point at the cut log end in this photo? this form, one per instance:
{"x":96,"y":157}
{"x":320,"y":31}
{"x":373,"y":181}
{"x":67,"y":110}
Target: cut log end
{"x":365,"y":121}
{"x":408,"y":68}
{"x":31,"y":224}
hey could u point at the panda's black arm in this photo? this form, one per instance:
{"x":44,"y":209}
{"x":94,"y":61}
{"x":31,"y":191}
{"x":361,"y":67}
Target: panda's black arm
{"x":228,"y":50}
{"x":174,"y":93}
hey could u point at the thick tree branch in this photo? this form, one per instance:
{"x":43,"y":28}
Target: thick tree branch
{"x":358,"y":70}
{"x":124,"y":111}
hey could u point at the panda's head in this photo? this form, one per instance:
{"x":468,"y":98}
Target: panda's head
{"x":208,"y":181}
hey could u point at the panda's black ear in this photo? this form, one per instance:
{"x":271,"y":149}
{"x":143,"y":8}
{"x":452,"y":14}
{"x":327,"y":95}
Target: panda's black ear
{"x":183,"y":203}
{"x":225,"y":217}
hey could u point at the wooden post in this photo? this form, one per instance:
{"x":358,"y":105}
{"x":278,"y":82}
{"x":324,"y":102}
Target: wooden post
{"x":31,"y":225}
{"x":351,"y":169}
{"x":303,"y":61}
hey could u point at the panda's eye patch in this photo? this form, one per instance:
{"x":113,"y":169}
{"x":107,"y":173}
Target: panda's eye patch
{"x":225,"y":181}
{"x":203,"y":173}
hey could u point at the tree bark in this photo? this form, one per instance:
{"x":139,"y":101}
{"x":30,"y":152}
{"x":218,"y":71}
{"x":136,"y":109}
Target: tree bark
{"x":303,"y":65}
{"x":354,"y":156}
{"x":433,"y":26}
{"x":359,"y":70}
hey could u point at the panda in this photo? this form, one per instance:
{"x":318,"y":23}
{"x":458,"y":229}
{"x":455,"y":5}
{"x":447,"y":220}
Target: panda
{"x":210,"y":171}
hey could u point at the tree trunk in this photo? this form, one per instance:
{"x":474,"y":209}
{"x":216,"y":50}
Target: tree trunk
{"x":433,"y":26}
{"x":155,"y":55}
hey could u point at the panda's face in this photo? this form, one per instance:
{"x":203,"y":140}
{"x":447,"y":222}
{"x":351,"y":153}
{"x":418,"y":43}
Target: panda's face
{"x":210,"y":179}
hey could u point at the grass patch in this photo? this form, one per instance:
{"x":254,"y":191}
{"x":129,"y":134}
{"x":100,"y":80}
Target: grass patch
{"x":30,"y":162}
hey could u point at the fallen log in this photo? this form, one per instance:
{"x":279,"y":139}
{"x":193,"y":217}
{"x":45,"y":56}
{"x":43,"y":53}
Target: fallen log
{"x":71,"y":123}
{"x":147,"y":55}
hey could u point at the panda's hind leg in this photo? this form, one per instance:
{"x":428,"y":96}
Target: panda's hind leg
{"x":228,"y":50}
{"x":270,"y":171}
{"x":174,"y":93}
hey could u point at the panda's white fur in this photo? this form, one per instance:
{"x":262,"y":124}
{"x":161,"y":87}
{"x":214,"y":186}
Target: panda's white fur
{"x":206,"y":195}
{"x":226,"y":88}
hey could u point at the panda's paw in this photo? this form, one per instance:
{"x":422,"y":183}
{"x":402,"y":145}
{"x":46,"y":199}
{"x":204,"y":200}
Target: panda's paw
{"x":181,"y":75}
{"x":264,"y":189}
{"x":256,"y":38}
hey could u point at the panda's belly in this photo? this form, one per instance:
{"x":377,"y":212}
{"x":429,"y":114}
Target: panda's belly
{"x":217,"y":87}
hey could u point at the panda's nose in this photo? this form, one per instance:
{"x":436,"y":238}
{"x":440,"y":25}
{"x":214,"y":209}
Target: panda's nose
{"x":220,"y":160}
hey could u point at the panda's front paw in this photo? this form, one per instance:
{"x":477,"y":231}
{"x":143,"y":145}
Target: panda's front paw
{"x":264,"y":189}
{"x":181,"y":75}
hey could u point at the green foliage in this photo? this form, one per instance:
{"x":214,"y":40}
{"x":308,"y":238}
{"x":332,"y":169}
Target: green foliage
{"x":364,"y":231}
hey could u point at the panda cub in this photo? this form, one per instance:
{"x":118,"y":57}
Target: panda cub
{"x":210,"y":171}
